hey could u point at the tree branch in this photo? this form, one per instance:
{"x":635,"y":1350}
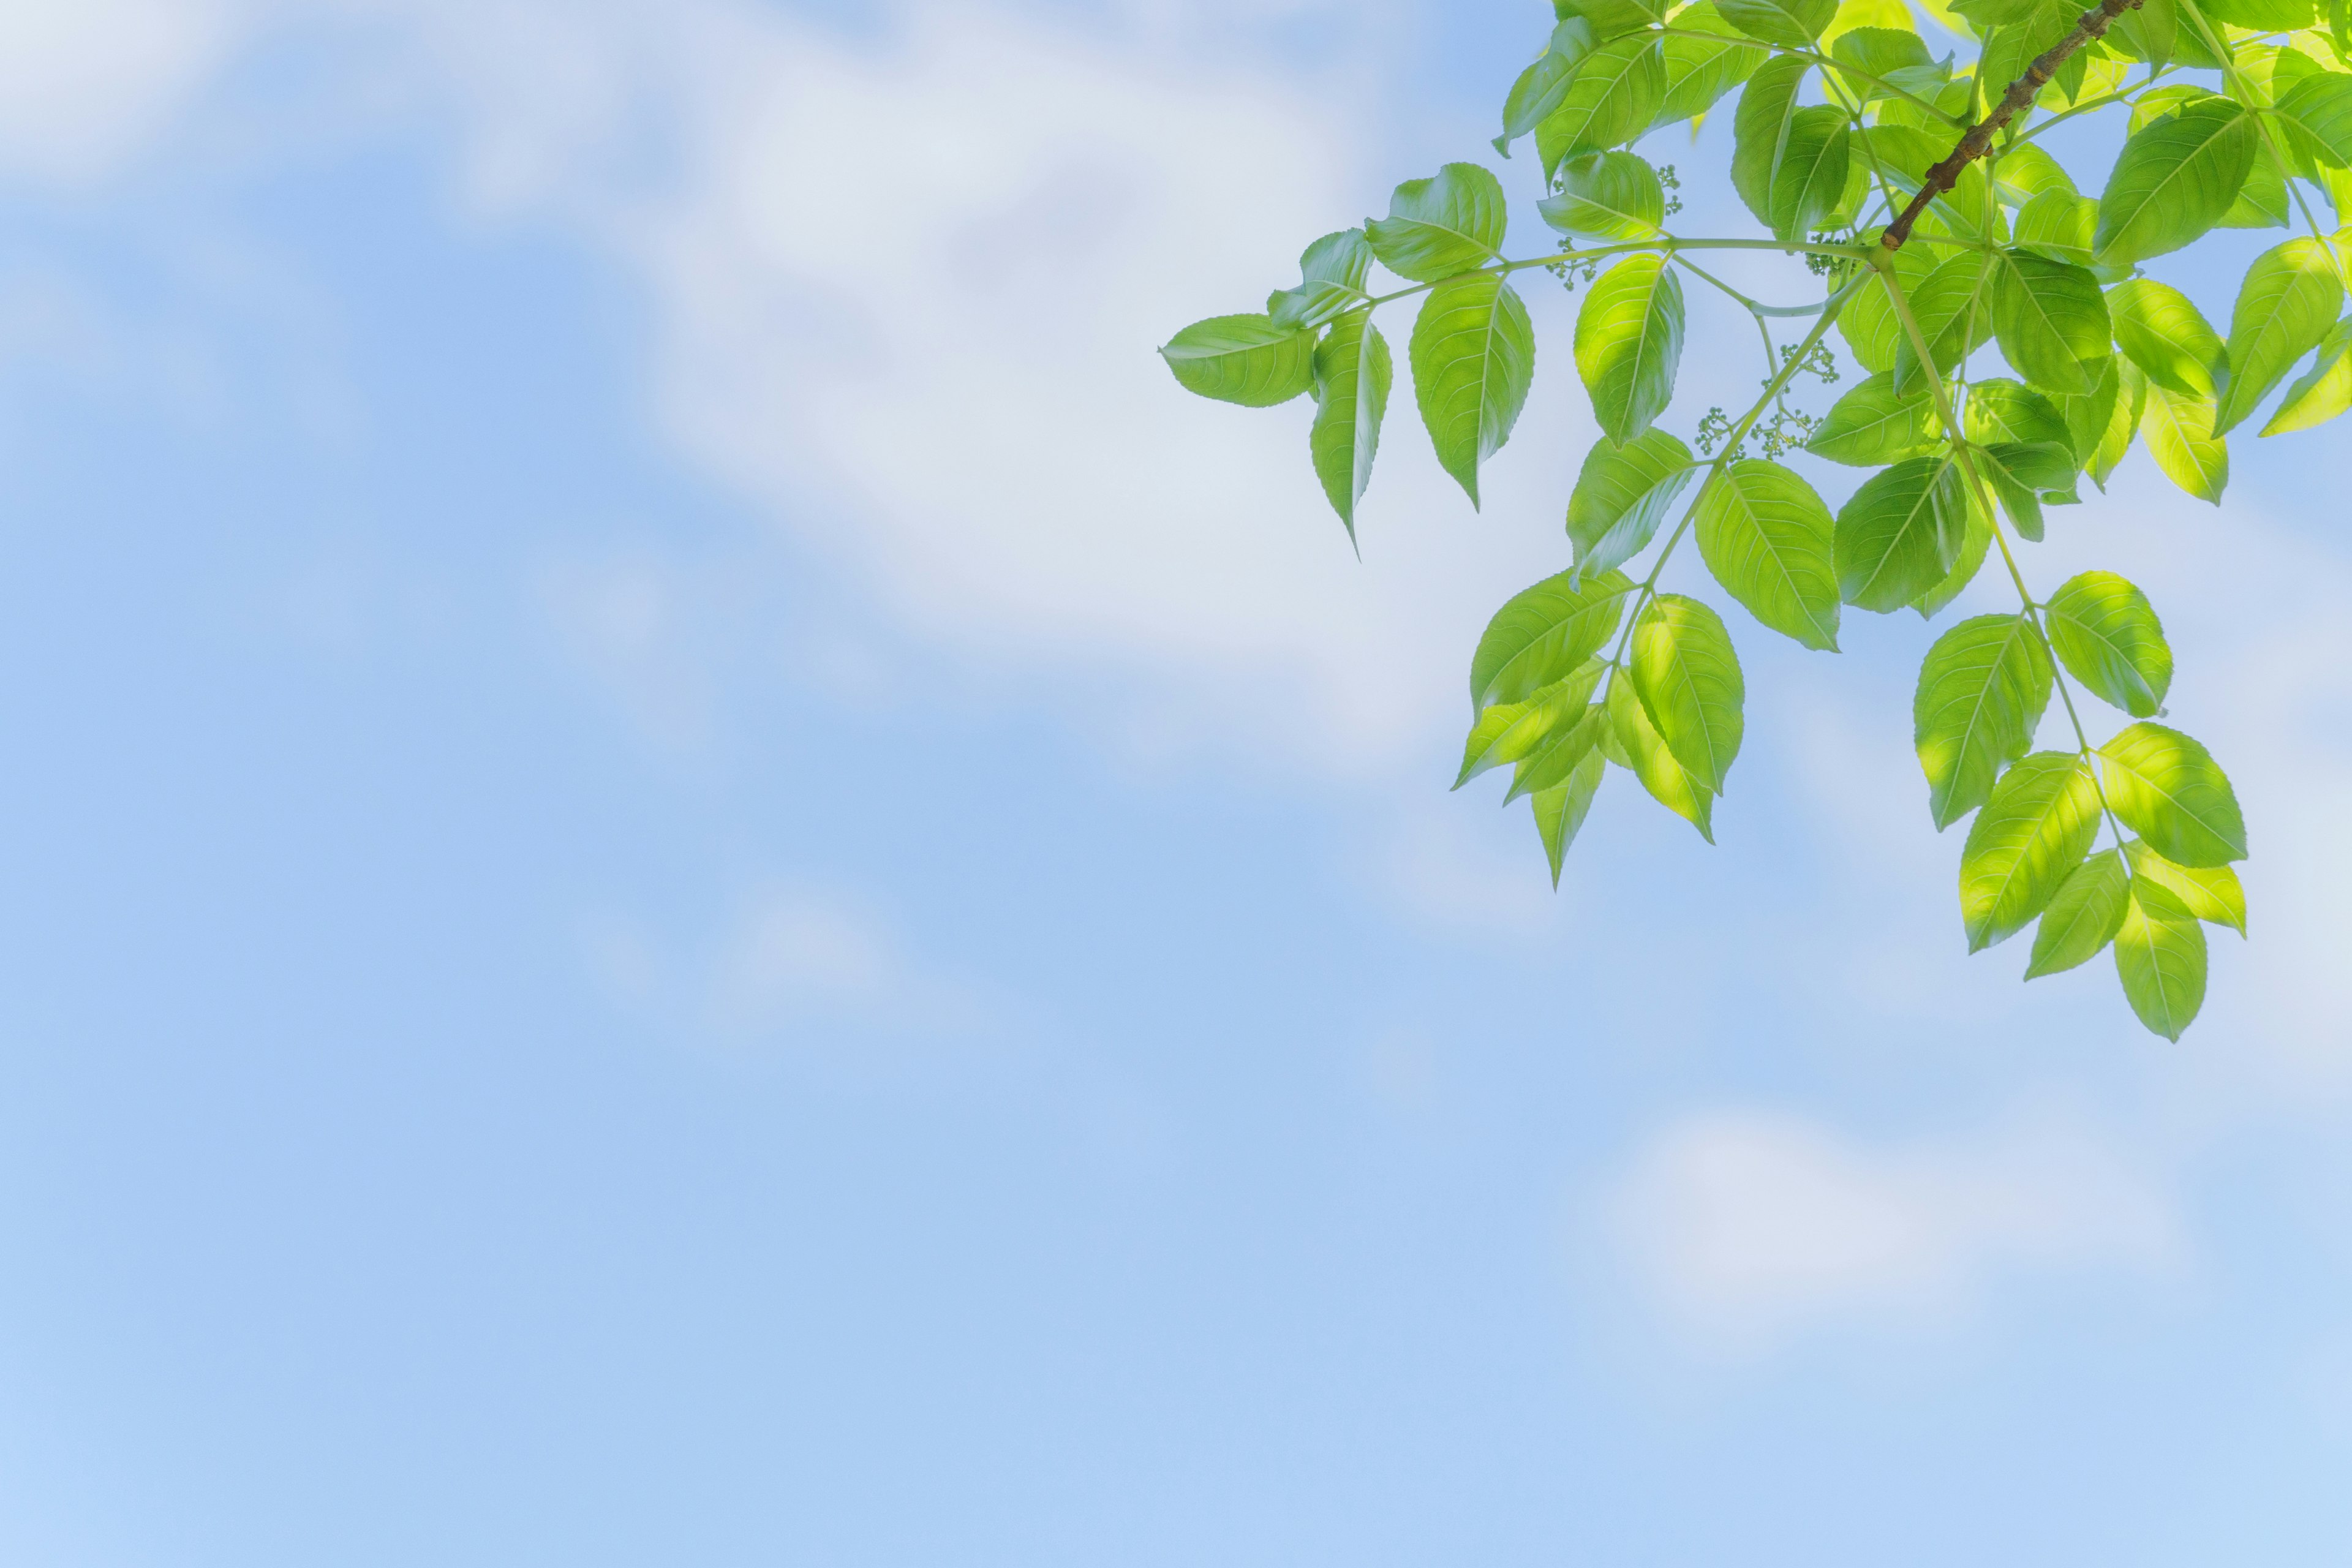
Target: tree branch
{"x":2021,"y":93}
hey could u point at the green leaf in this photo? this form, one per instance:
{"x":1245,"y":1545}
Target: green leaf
{"x":1895,"y":57}
{"x":2168,"y":338}
{"x":1872,"y":330}
{"x":1976,"y":542}
{"x":1645,"y":752}
{"x":2058,"y":226}
{"x":1759,"y":129}
{"x":2023,"y":473}
{"x":2161,"y":957}
{"x":1629,"y":344}
{"x":1473,"y":356}
{"x":2050,"y":320}
{"x":2322,"y":392}
{"x":1611,"y":18}
{"x":1999,"y":409}
{"x":1513,"y":731}
{"x":1550,"y":764}
{"x":2122,"y":421}
{"x":2174,"y":181}
{"x":2011,"y":47}
{"x":1560,"y":811}
{"x":2291,"y":297}
{"x":1901,"y":533}
{"x":2167,"y":789}
{"x":1793,"y":23}
{"x":1544,"y":633}
{"x":2181,"y":437}
{"x":1543,"y":86}
{"x":1334,"y":268}
{"x":1442,"y":226}
{"x":1688,"y":677}
{"x":2026,"y":171}
{"x":2262,"y":201}
{"x":1700,"y":71}
{"x":2108,"y":635}
{"x":2082,"y":917}
{"x":1614,"y":97}
{"x":1242,"y":359}
{"x":1607,"y":195}
{"x":2025,"y":844}
{"x":2262,"y":15}
{"x":2148,"y":32}
{"x":1769,"y":540}
{"x":2318,"y":112}
{"x":1982,"y":690}
{"x":2088,"y":414}
{"x":1870,"y":425}
{"x":1621,"y":495}
{"x":2214,"y":894}
{"x":1350,"y":405}
{"x":1810,"y":176}
{"x":1951,"y":316}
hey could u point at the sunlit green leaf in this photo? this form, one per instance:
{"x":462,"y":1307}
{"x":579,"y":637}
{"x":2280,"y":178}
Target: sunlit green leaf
{"x":2174,"y":181}
{"x":1612,"y":18}
{"x":1473,"y":356}
{"x":1543,"y":86}
{"x":1688,"y":677}
{"x":2167,"y":789}
{"x":2088,"y":414}
{"x":1441,"y":227}
{"x":1982,"y":690}
{"x":1560,"y":811}
{"x":1871,"y":426}
{"x":1901,"y":533}
{"x":2026,"y":170}
{"x":2262,"y":15}
{"x":1616,"y":94}
{"x":1513,"y":731}
{"x":1544,"y":633}
{"x":2322,"y":392}
{"x":1760,"y":129}
{"x":2026,"y":843}
{"x":1629,"y":344}
{"x":2318,"y":112}
{"x":1809,"y":176}
{"x":2212,"y":893}
{"x":2181,"y":437}
{"x":1976,"y":544}
{"x":2161,"y":957}
{"x":2083,"y":916}
{"x":2122,"y":421}
{"x":2167,"y":336}
{"x":2290,"y":299}
{"x":1621,"y":495}
{"x":1999,"y":409}
{"x":2050,"y":320}
{"x":2058,"y":226}
{"x":2263,"y":200}
{"x":1700,"y":71}
{"x":1352,"y":374}
{"x":1645,"y":752}
{"x":2108,"y":638}
{"x":1607,"y":195}
{"x":1550,"y":763}
{"x":1953,"y":316}
{"x":1334,"y":268}
{"x":1242,"y":359}
{"x":1767,"y":538}
{"x":1795,"y":23}
{"x":1869,"y":324}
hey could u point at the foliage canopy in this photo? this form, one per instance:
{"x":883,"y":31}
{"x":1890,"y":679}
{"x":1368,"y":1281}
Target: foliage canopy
{"x":1925,"y":197}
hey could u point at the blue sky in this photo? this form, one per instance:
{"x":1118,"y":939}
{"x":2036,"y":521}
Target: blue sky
{"x":693,"y":878}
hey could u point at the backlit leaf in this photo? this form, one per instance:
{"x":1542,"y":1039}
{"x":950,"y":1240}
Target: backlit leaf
{"x":1560,"y":811}
{"x":1607,"y":195}
{"x":1629,"y":344}
{"x":1795,"y":23}
{"x":1334,"y":268}
{"x":2167,"y":789}
{"x":1449,"y":224}
{"x":1543,"y":86}
{"x":2181,"y":437}
{"x":2174,"y":181}
{"x":2025,"y":844}
{"x":1982,"y":690}
{"x":1621,"y":495}
{"x":2214,"y":894}
{"x":1616,"y":94}
{"x":1645,"y":752}
{"x":1544,"y":633}
{"x":2290,"y":299}
{"x":2167,"y":336}
{"x":1953,"y":316}
{"x":2322,"y":392}
{"x":1700,"y":71}
{"x":1901,"y":533}
{"x":1769,"y":540}
{"x":1352,"y":374}
{"x":2082,"y":917}
{"x":2108,"y":635}
{"x":1473,"y":356}
{"x":1242,"y":359}
{"x":2050,"y":320}
{"x":2160,"y":958}
{"x":1871,"y":426}
{"x":1513,"y":731}
{"x":1688,"y":677}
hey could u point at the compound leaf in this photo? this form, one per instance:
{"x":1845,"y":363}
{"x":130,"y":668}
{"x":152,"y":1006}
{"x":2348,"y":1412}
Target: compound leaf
{"x":1544,"y":633}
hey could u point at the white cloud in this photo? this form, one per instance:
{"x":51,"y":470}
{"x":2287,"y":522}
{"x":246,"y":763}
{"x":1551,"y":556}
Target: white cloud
{"x":1751,"y":1226}
{"x":85,"y":83}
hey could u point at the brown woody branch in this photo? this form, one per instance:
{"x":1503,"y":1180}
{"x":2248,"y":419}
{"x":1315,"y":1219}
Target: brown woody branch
{"x":2021,"y":93}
